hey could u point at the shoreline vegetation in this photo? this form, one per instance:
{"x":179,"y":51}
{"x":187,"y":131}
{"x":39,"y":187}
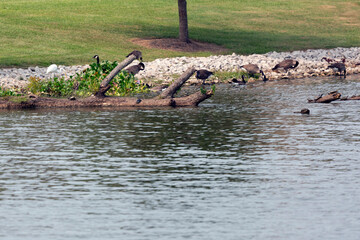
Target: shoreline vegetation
{"x":103,"y":77}
{"x":89,"y":86}
{"x":225,"y":35}
{"x":225,"y":67}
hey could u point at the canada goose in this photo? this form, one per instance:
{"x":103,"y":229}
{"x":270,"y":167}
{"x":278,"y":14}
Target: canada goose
{"x":253,"y":69}
{"x":304,"y":111}
{"x":203,"y":74}
{"x":329,"y":60}
{"x":159,"y":88}
{"x":338,"y":67}
{"x":286,"y":64}
{"x":242,"y":82}
{"x":135,"y":69}
{"x":137,"y":54}
{"x":97,"y":59}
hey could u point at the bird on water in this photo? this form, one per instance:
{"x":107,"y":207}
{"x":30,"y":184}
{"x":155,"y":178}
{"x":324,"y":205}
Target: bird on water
{"x":137,"y":54}
{"x":135,"y":68}
{"x":242,"y":82}
{"x":304,"y":111}
{"x":253,"y":69}
{"x":203,"y":74}
{"x":286,"y":65}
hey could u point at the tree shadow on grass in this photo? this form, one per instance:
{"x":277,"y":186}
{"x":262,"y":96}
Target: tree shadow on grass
{"x":239,"y":40}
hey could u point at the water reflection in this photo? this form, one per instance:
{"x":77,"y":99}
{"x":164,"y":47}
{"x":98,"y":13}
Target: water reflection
{"x":242,"y":165}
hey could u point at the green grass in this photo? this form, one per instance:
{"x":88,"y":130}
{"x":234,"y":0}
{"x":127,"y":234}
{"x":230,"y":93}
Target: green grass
{"x":40,"y":32}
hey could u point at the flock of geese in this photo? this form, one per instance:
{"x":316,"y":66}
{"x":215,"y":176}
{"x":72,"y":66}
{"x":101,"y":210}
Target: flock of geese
{"x":285,"y":65}
{"x":251,"y":69}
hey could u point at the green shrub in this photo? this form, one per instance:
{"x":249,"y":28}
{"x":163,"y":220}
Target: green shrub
{"x":7,"y":92}
{"x":88,"y":82}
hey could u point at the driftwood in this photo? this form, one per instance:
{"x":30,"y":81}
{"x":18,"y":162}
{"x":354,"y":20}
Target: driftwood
{"x":332,"y":96}
{"x":350,"y":98}
{"x":172,"y":89}
{"x":105,"y":84}
{"x":165,"y":99}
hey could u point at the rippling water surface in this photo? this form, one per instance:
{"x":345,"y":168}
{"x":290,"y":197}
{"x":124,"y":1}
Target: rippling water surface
{"x":240,"y":166}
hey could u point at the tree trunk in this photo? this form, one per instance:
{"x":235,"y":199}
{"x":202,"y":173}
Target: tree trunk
{"x":183,"y":22}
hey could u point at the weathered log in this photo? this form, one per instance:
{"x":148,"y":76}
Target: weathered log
{"x":104,"y":86}
{"x":332,"y":96}
{"x":95,"y":102}
{"x":176,"y":85}
{"x":91,"y":102}
{"x":193,"y":99}
{"x":350,"y":98}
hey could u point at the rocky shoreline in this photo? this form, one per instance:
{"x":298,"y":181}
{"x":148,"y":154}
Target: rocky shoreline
{"x":164,"y":70}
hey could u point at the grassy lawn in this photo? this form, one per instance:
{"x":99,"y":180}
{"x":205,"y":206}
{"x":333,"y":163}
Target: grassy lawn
{"x":40,"y":32}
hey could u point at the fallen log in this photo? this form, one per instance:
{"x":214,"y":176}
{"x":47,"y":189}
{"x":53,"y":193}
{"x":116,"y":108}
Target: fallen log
{"x":95,"y":102}
{"x":332,"y":96}
{"x":350,"y":98}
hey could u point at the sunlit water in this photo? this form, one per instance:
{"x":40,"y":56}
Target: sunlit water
{"x":240,"y":166}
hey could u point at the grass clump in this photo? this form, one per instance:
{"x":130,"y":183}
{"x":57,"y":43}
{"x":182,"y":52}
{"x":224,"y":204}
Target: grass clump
{"x":224,"y":76}
{"x":8,"y":92}
{"x":57,"y":87}
{"x":18,"y":99}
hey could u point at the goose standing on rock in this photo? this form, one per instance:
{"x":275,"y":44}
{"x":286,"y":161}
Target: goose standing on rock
{"x":97,"y":59}
{"x":286,"y":65}
{"x":253,"y":69}
{"x":203,"y":74}
{"x":137,"y":54}
{"x":338,"y":67}
{"x":135,"y":69}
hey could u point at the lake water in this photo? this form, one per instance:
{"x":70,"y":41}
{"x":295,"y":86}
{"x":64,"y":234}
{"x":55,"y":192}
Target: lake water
{"x":240,"y":166}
